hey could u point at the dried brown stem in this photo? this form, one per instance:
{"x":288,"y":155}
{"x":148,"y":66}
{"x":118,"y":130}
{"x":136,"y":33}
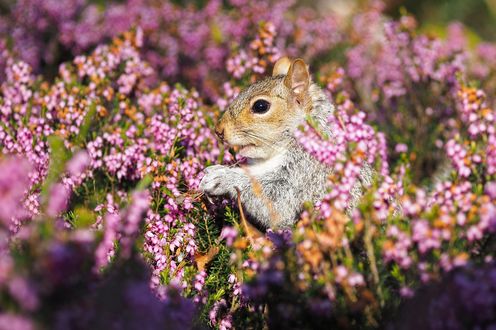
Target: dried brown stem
{"x":252,"y":232}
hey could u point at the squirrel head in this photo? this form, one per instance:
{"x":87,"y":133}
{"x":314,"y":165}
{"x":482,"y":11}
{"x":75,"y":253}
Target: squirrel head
{"x":262,"y":119}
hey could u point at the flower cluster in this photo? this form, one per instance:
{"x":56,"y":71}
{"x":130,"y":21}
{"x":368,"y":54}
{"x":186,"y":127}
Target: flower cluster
{"x":413,"y":236}
{"x":120,"y":132}
{"x":478,"y":120}
{"x":182,"y":42}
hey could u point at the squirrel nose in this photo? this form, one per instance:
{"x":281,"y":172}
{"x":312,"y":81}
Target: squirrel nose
{"x":220,"y":132}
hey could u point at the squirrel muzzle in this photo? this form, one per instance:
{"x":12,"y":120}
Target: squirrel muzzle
{"x":219,"y":130}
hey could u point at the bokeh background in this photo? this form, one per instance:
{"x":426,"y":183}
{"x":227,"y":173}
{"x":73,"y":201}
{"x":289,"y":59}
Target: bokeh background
{"x":477,"y":15}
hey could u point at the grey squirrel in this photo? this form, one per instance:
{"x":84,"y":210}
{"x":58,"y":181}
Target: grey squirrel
{"x":280,"y":175}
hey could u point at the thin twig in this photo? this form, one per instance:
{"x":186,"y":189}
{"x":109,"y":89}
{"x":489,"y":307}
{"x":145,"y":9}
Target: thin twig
{"x":371,"y":256}
{"x":208,"y":232}
{"x":248,"y":228}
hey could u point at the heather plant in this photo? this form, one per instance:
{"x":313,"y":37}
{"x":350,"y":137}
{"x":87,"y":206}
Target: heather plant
{"x":185,"y":42}
{"x":404,"y":79}
{"x":50,"y":270}
{"x":101,"y":221}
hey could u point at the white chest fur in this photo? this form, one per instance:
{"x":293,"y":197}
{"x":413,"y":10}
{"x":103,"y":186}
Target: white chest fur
{"x":261,"y":167}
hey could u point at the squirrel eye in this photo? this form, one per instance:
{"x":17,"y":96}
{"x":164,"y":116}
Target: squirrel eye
{"x":260,"y":106}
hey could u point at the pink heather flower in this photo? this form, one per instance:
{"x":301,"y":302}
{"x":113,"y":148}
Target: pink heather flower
{"x":200,"y":280}
{"x":14,"y":185}
{"x":356,"y":279}
{"x":491,"y":154}
{"x":461,"y":219}
{"x":348,"y":135}
{"x":6,"y":262}
{"x":134,"y":216}
{"x":487,"y":221}
{"x":229,"y":234}
{"x":341,"y":273}
{"x":121,"y":227}
{"x":226,"y":323}
{"x":424,"y":274}
{"x":232,"y":278}
{"x":399,"y":253}
{"x":490,"y":189}
{"x":218,"y":308}
{"x":78,"y":164}
{"x":24,"y":293}
{"x":401,"y":148}
{"x":236,"y":286}
{"x":458,"y":156}
{"x":406,"y":292}
{"x":105,"y":249}
{"x":474,"y":233}
{"x":15,"y":322}
{"x":426,"y":237}
{"x":59,"y":199}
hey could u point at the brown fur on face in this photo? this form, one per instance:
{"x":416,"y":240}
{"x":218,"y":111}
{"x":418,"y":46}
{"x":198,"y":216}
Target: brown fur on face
{"x":263,"y":135}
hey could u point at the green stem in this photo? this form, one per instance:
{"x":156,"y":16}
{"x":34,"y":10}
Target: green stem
{"x":372,"y":261}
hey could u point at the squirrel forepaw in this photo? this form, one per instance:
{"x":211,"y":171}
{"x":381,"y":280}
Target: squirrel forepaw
{"x":218,"y":180}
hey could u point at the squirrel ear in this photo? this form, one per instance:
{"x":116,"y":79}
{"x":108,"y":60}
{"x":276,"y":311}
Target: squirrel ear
{"x":281,"y":67}
{"x":298,"y":78}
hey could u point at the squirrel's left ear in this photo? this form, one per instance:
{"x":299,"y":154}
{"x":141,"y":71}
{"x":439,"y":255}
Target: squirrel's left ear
{"x":281,"y":67}
{"x":298,"y":78}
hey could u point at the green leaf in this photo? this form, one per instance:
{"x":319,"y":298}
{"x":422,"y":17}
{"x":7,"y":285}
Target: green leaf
{"x":83,"y":217}
{"x":145,"y":182}
{"x":216,"y":33}
{"x":396,"y":273}
{"x":85,"y":127}
{"x":59,"y":155}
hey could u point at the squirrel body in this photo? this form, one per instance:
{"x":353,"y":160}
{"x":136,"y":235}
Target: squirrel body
{"x":279,"y":175}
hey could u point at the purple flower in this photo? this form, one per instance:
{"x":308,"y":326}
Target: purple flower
{"x":490,"y":189}
{"x":15,"y":322}
{"x":78,"y":164}
{"x":406,"y":292}
{"x":134,"y":216}
{"x":24,"y":293}
{"x":14,"y":185}
{"x":401,"y":147}
{"x":105,"y":249}
{"x":229,"y":234}
{"x":59,"y":199}
{"x":218,"y":309}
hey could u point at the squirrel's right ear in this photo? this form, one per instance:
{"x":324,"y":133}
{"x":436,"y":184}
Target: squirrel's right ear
{"x":281,"y":67}
{"x":298,"y":77}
